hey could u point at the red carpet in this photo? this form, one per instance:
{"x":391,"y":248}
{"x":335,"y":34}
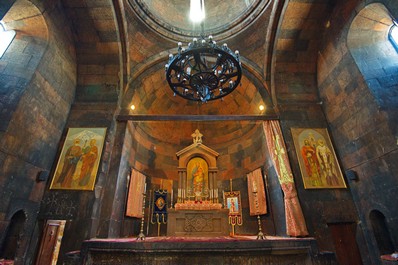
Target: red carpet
{"x":195,"y":239}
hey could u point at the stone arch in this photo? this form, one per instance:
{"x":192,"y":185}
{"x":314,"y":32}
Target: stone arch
{"x":23,"y":55}
{"x":13,"y":235}
{"x":381,"y":232}
{"x":375,"y":56}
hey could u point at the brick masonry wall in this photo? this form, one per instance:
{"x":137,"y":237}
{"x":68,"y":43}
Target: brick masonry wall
{"x":38,"y":81}
{"x":299,"y":104}
{"x":362,"y":130}
{"x":237,"y":158}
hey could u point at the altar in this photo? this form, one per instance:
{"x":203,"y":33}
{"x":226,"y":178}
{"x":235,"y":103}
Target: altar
{"x":196,"y":223}
{"x":198,"y":211}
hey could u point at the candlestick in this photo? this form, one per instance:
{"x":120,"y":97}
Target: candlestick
{"x":171,"y":200}
{"x":141,"y":236}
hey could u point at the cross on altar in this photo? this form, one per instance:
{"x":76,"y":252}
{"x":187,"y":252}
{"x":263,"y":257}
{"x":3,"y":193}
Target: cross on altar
{"x":197,"y":137}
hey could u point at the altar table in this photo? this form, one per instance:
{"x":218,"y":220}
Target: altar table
{"x":197,"y":223}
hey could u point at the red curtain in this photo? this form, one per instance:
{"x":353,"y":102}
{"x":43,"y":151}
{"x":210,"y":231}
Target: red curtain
{"x":295,"y":223}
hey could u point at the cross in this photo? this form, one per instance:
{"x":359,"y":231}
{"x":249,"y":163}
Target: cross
{"x":197,"y":137}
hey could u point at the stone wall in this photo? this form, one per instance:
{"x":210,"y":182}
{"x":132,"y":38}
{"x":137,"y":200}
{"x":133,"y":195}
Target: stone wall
{"x":158,"y":160}
{"x":363,"y":132}
{"x":299,"y":104}
{"x":38,"y":79}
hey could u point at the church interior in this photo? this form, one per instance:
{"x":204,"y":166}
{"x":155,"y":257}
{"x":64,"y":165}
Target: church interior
{"x":285,"y":152}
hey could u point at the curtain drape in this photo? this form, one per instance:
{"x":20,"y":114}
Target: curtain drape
{"x":295,"y":223}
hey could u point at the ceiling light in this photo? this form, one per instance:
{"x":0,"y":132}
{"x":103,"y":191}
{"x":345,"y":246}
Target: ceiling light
{"x":261,"y":107}
{"x":132,"y":107}
{"x":203,"y":71}
{"x":197,"y":10}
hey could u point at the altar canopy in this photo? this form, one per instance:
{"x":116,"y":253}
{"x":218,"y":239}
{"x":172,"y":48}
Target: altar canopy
{"x":295,"y":223}
{"x":197,"y":176}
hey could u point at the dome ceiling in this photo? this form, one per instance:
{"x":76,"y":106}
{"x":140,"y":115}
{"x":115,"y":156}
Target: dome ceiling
{"x":133,"y":38}
{"x":223,"y":18}
{"x":155,"y":27}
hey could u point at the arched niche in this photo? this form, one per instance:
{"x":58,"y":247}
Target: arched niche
{"x":374,"y":54}
{"x":194,"y":160}
{"x":381,"y":232}
{"x":13,"y":236}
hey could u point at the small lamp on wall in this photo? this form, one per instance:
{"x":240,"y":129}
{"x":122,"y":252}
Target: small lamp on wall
{"x":351,"y":175}
{"x":6,"y":37}
{"x":42,"y":176}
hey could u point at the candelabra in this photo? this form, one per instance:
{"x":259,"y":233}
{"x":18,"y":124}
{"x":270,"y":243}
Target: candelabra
{"x":260,"y":234}
{"x":141,"y":235}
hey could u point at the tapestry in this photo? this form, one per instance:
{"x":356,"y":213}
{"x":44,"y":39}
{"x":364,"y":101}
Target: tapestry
{"x":232,"y":202}
{"x":159,"y":213}
{"x":256,"y":192}
{"x":167,"y":184}
{"x":137,"y":188}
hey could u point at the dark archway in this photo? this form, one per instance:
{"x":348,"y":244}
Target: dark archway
{"x":14,"y":234}
{"x":381,"y":232}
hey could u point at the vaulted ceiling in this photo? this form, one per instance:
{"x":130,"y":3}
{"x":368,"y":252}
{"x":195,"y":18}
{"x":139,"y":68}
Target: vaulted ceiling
{"x":133,"y":38}
{"x":122,"y":47}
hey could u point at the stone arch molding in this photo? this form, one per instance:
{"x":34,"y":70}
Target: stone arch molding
{"x":375,"y":56}
{"x":24,"y":54}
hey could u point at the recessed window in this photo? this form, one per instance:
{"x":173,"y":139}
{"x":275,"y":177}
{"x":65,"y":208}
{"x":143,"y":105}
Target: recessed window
{"x":6,"y":37}
{"x":393,"y":35}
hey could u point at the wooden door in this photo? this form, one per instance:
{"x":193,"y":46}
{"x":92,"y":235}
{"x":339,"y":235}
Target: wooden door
{"x":50,"y":243}
{"x":347,"y":251}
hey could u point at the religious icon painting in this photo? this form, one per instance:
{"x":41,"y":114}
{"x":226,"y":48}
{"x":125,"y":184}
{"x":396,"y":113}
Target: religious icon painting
{"x":233,"y":203}
{"x":318,"y":162}
{"x":79,"y":160}
{"x":197,"y":179}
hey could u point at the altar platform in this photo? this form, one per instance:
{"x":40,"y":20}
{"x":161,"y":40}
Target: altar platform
{"x":201,"y":250}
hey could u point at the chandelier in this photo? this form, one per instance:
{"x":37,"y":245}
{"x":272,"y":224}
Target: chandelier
{"x":203,"y":71}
